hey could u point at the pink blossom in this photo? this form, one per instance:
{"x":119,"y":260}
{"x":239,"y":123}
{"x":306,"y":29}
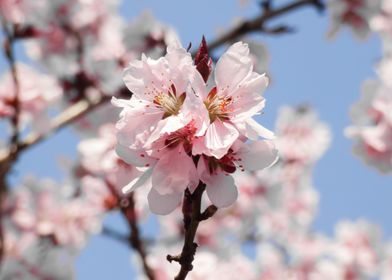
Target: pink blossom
{"x":68,"y":220}
{"x":232,"y":103}
{"x":36,"y":93}
{"x":300,"y":135}
{"x":98,"y":157}
{"x":354,"y":13}
{"x":372,"y":128}
{"x":215,"y":172}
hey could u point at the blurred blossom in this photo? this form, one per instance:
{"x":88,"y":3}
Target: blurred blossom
{"x":372,"y":126}
{"x":36,"y":93}
{"x":46,"y":209}
{"x":354,"y":13}
{"x":301,"y":136}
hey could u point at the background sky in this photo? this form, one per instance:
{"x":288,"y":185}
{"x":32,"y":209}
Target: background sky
{"x":305,"y":68}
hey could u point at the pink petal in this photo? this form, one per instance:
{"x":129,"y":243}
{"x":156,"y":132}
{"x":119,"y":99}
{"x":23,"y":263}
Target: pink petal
{"x":219,"y":137}
{"x":136,"y":157}
{"x":253,"y":130}
{"x":221,"y":190}
{"x":233,"y":66}
{"x":143,"y":180}
{"x":163,"y":204}
{"x":257,"y":155}
{"x":174,"y":172}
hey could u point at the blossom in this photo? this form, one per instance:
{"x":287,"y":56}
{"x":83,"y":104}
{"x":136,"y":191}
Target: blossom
{"x":182,"y":135}
{"x":300,"y":135}
{"x":232,"y":103}
{"x":98,"y":158}
{"x":354,"y":13}
{"x":158,"y":123}
{"x":48,"y":210}
{"x":372,"y":126}
{"x":215,"y":172}
{"x":36,"y":93}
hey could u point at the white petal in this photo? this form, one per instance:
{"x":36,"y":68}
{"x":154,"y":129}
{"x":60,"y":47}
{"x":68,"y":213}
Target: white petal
{"x":221,"y":190}
{"x":168,"y":125}
{"x":233,"y":66}
{"x":143,"y":180}
{"x":258,"y":155}
{"x":163,"y":204}
{"x":253,"y":130}
{"x":134,"y":157}
{"x":174,"y":172}
{"x":219,"y":138}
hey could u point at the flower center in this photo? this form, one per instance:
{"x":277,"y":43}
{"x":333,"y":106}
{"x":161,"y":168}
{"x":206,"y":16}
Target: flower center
{"x":217,"y":106}
{"x":228,"y":163}
{"x":169,"y":102}
{"x":182,"y":136}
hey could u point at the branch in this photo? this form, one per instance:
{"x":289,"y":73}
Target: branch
{"x":14,"y":139}
{"x":257,"y":23}
{"x":135,"y":240}
{"x":9,"y":54}
{"x":109,"y":232}
{"x":192,"y":218}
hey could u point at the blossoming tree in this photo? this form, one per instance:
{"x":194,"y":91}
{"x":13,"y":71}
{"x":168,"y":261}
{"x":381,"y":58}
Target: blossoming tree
{"x":168,"y":133}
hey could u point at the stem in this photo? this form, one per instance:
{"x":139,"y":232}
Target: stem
{"x":257,"y":23}
{"x":135,"y":239}
{"x":192,"y":218}
{"x":5,"y":167}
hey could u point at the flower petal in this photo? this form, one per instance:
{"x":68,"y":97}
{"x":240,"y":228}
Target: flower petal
{"x":253,"y":130}
{"x":143,"y":180}
{"x":221,"y":190}
{"x":134,"y":157}
{"x":163,"y":204}
{"x":233,"y":66}
{"x":258,"y":155}
{"x":219,"y":137}
{"x":174,"y":172}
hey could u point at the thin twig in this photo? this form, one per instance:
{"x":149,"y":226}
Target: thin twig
{"x":257,"y":23}
{"x":135,"y":240}
{"x":14,"y":139}
{"x":192,"y":218}
{"x":109,"y":232}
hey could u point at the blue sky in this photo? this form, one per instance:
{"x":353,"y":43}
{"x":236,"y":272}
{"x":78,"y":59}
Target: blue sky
{"x":306,"y":68}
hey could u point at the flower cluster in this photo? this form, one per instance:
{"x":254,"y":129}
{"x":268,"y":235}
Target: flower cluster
{"x":183,"y":130}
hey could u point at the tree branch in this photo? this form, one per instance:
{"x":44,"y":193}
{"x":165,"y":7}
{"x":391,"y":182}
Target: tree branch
{"x":14,"y":139}
{"x":135,"y":240}
{"x":257,"y":23}
{"x":192,"y":217}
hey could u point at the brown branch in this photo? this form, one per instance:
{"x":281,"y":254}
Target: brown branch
{"x":67,"y":117}
{"x":14,"y":139}
{"x":109,"y":232}
{"x":258,"y":23}
{"x":192,"y":217}
{"x":135,"y":240}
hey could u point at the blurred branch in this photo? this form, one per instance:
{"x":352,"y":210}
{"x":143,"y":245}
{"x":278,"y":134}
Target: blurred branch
{"x":135,"y":240}
{"x":8,"y":48}
{"x":109,"y":232}
{"x":192,"y":217}
{"x":128,"y":210}
{"x":258,"y":23}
